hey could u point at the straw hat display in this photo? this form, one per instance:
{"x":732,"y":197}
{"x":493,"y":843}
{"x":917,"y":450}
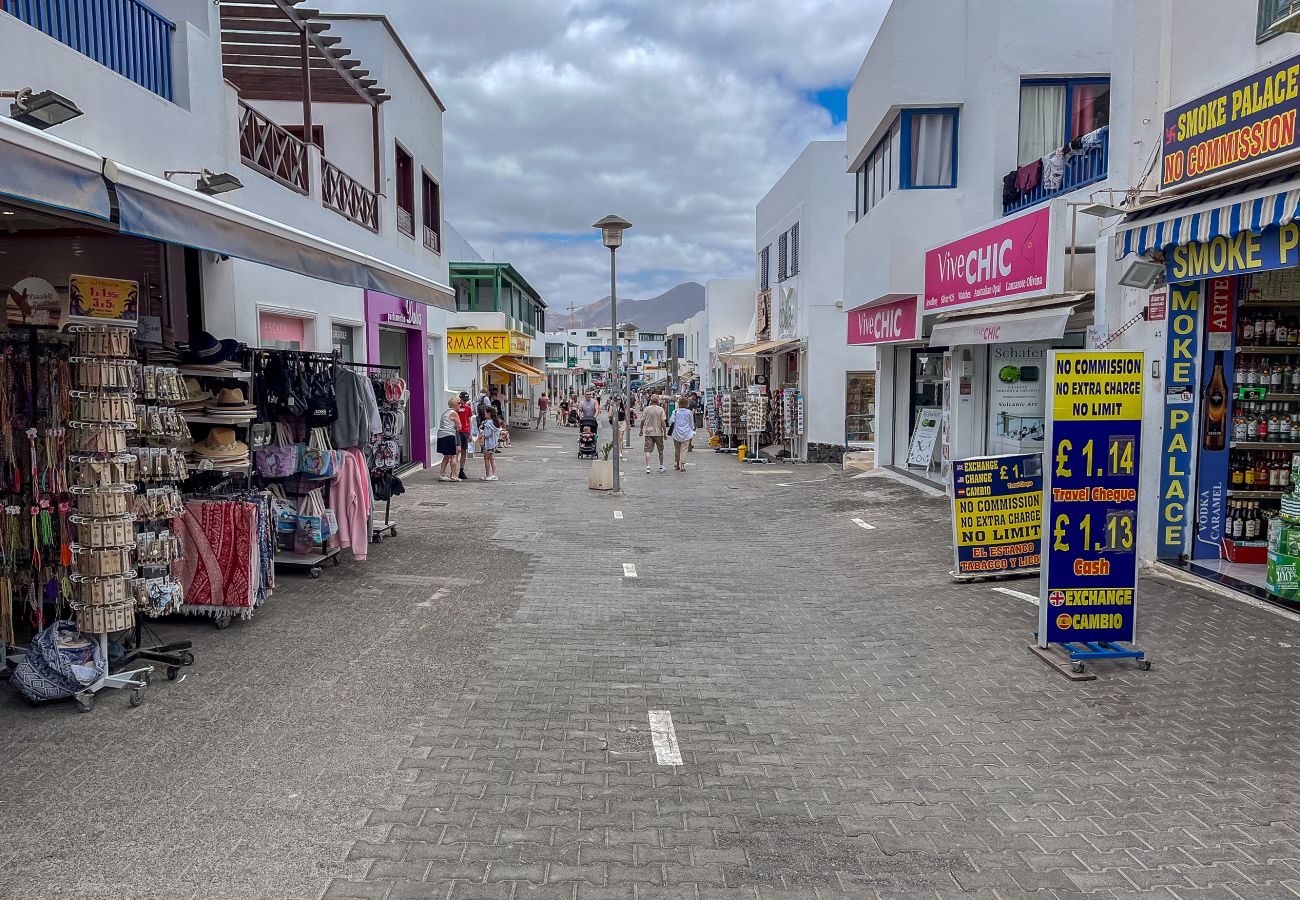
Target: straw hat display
{"x":221,"y":448}
{"x":232,"y":403}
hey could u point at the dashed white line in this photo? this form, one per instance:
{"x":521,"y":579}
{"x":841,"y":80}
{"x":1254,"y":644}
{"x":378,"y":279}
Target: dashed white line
{"x":618,"y":513}
{"x":862,"y":524}
{"x":667,"y":753}
{"x":437,"y":595}
{"x":629,"y":570}
{"x":1020,"y":595}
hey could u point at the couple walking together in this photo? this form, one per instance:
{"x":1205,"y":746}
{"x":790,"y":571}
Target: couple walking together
{"x":656,"y":425}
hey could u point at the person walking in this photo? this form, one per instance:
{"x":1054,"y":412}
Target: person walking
{"x":489,"y":431}
{"x":697,"y":414}
{"x":589,"y":406}
{"x":563,"y":415}
{"x":462,"y":433}
{"x":682,"y":428}
{"x":448,"y":443}
{"x":654,"y":427}
{"x":543,"y":404}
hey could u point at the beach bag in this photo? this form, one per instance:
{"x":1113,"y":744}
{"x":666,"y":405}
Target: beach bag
{"x":59,"y":663}
{"x":311,"y":519}
{"x":279,"y":459}
{"x":319,"y":458}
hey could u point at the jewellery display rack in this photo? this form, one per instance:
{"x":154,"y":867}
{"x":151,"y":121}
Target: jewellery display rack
{"x":755,"y":419}
{"x":103,"y":557}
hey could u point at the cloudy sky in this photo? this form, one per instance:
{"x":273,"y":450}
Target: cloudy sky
{"x":676,"y":114}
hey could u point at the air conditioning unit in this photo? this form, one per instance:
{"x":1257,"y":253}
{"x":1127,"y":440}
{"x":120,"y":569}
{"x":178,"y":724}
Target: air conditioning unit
{"x":1286,"y":17}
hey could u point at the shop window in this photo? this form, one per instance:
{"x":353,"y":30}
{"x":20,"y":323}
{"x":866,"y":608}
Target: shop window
{"x":431,"y":212}
{"x":404,"y":175}
{"x":1055,"y":111}
{"x":595,"y":359}
{"x":344,"y":339}
{"x":592,"y":334}
{"x":283,"y":332}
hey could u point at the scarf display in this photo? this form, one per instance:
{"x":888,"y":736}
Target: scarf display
{"x":228,"y":547}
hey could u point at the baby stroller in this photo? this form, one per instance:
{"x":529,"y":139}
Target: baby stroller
{"x":573,"y":418}
{"x":587,"y":430}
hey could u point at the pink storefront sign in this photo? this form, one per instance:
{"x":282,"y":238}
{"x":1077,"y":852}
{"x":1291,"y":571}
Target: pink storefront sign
{"x":885,"y":323}
{"x":1007,"y":260}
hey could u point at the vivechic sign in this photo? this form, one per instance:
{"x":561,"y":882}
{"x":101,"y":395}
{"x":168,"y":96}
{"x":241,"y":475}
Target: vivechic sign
{"x":884,"y":323}
{"x":1007,"y":260}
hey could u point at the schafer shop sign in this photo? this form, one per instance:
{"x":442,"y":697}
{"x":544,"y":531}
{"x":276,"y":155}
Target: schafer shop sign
{"x":1244,"y":122}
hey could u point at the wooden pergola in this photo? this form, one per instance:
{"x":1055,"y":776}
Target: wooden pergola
{"x":281,"y":50}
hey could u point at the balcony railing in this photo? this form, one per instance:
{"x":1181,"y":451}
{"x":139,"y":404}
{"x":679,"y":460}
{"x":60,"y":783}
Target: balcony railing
{"x":431,"y":239}
{"x":405,"y":222}
{"x":271,"y":150}
{"x":1082,"y":170}
{"x":123,"y":35}
{"x":348,"y":197}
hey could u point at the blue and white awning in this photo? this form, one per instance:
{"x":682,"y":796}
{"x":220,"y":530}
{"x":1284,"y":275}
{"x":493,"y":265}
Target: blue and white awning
{"x":1225,"y":212}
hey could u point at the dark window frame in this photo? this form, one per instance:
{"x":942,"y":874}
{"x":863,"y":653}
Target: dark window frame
{"x":794,"y":249}
{"x":1068,"y":83}
{"x":783,"y":257}
{"x":404,"y":185}
{"x":764,"y":258}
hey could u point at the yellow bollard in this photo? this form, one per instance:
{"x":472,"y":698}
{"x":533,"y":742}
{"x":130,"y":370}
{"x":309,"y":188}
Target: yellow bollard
{"x":741,"y":451}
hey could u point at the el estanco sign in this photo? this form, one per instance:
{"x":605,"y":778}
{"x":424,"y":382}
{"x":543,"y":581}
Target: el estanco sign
{"x":1007,"y":260}
{"x":883,"y":323}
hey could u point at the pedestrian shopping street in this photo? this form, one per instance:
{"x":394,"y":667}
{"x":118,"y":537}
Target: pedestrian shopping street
{"x":465,"y":715}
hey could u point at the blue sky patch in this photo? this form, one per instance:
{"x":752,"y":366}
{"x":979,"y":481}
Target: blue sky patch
{"x":835,"y":100}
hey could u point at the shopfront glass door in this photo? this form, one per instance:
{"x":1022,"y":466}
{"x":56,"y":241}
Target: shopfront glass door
{"x":860,"y":408}
{"x":394,"y":350}
{"x":927,"y":383}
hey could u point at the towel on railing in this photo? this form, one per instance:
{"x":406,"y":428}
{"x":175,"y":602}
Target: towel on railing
{"x":1009,"y":192}
{"x":1053,"y":170}
{"x":1028,"y":176}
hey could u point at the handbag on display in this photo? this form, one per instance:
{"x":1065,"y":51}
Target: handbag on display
{"x":311,"y":519}
{"x":322,"y":406}
{"x":279,"y":459}
{"x":319,"y":458}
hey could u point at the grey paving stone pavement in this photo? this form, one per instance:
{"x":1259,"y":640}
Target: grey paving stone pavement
{"x":465,"y":716}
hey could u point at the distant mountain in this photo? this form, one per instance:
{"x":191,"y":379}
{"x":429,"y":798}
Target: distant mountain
{"x":654,"y":314}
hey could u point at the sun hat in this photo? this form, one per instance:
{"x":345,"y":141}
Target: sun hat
{"x":230,"y":399}
{"x":205,"y":348}
{"x":221,"y":443}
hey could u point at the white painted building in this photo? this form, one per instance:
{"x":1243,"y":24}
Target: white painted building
{"x":729,"y":321}
{"x":338,"y":221}
{"x":799,"y":248}
{"x":952,"y":98}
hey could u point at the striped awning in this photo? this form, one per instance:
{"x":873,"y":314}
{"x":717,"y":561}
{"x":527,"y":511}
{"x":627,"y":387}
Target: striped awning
{"x":1227,"y":211}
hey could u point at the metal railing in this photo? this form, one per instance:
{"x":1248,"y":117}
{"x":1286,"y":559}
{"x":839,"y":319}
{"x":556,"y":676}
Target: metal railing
{"x":405,"y":221}
{"x":432,"y":241}
{"x":348,"y":197}
{"x":123,"y":35}
{"x":271,"y":150}
{"x":1087,"y":168}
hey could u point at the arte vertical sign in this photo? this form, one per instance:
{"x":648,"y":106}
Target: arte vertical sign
{"x":1215,"y":424}
{"x":1094,"y":448}
{"x":1181,"y":354}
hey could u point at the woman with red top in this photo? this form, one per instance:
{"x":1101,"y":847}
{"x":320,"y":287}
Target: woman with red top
{"x":462,"y":436}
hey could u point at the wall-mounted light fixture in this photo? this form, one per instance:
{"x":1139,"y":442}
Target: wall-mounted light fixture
{"x":209,"y":182}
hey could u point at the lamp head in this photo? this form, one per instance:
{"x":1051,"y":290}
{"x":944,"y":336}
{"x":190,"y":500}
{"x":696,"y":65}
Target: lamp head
{"x":611,"y":230}
{"x":43,"y":110}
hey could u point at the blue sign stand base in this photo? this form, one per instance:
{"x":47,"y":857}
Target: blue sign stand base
{"x":1082,"y":651}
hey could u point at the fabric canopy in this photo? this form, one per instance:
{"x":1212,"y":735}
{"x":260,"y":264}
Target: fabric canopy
{"x":762,"y":348}
{"x":1226,"y":212}
{"x":43,"y":169}
{"x":516,"y":367}
{"x":153,"y":208}
{"x":1041,"y":319}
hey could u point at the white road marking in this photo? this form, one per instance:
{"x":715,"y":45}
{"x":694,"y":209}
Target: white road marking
{"x":862,"y":524}
{"x":793,"y":483}
{"x":436,"y":596}
{"x":1020,"y":595}
{"x":618,"y":513}
{"x":667,"y":753}
{"x":629,"y":570}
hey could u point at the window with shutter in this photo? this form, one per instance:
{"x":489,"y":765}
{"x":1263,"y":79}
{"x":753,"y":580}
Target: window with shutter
{"x":782,"y":257}
{"x":794,"y":249}
{"x":763,"y":283}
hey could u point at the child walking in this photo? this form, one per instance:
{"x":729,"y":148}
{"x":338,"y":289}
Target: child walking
{"x":490,"y":433}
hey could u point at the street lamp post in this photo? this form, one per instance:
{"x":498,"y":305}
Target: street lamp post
{"x":611,"y":235}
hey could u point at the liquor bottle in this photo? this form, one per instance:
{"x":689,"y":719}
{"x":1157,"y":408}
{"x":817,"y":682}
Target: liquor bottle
{"x":1237,"y":473}
{"x":1275,"y":381}
{"x":1252,"y":522}
{"x":1247,"y":331}
{"x":1283,"y":333}
{"x":1261,"y":472}
{"x":1259,"y":329}
{"x":1214,"y":419}
{"x":1270,"y":330}
{"x":1248,"y":476}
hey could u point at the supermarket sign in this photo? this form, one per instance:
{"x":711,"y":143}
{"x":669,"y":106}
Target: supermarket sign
{"x":1244,"y":122}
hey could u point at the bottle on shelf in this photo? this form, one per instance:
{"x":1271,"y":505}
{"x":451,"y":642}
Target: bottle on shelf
{"x":1214,"y":419}
{"x":1283,"y":332}
{"x":1246,"y":331}
{"x":1270,"y":330}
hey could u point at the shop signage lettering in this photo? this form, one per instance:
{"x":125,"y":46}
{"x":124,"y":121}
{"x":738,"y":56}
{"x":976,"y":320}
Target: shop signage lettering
{"x":1007,"y":260}
{"x":478,"y":341}
{"x":520,"y":344}
{"x":411,"y":314}
{"x":1090,"y":493}
{"x":1212,"y":461}
{"x":1156,"y":305}
{"x":997,"y":514}
{"x":1246,"y":121}
{"x":1181,"y":357}
{"x":103,"y":298}
{"x":883,"y":324}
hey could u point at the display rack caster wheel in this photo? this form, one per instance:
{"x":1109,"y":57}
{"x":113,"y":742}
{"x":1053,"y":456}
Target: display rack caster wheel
{"x":1076,"y":667}
{"x":137,"y":696}
{"x":222,"y":622}
{"x":85,"y":702}
{"x":144,"y":676}
{"x":1144,"y":665}
{"x":315,"y":572}
{"x":392,"y":529}
{"x":379,"y":537}
{"x":187,"y":658}
{"x":172,"y":672}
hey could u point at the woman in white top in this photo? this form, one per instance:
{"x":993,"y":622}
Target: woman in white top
{"x":682,"y":428}
{"x":448,"y":443}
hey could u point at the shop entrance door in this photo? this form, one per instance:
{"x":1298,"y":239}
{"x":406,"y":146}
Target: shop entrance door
{"x":859,"y":409}
{"x":927,"y":384}
{"x":395,"y":350}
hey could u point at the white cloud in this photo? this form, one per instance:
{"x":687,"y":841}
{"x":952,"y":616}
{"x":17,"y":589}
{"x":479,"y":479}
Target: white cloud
{"x":677,"y":115}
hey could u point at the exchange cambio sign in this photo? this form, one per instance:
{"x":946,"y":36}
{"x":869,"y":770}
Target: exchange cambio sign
{"x":885,"y":323}
{"x":1007,"y":260}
